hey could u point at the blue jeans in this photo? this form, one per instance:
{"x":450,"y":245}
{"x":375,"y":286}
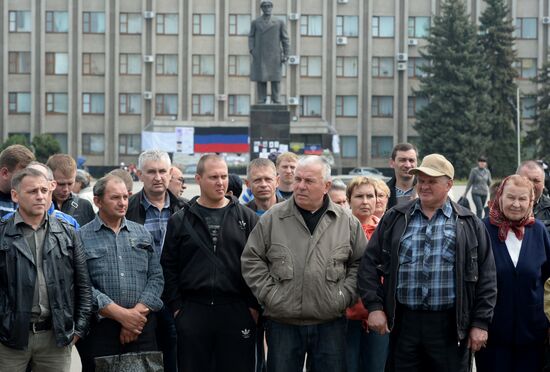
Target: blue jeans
{"x":324,"y":343}
{"x":365,"y":351}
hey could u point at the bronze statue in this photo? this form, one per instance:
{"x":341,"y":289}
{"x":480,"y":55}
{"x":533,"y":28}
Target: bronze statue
{"x":268,"y":45}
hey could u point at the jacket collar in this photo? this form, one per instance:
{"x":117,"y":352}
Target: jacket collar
{"x":408,"y":208}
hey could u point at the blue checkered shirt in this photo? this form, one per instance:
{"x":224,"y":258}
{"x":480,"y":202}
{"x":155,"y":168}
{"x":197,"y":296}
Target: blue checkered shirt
{"x":426,"y":275}
{"x":123,"y":267}
{"x":156,"y":221}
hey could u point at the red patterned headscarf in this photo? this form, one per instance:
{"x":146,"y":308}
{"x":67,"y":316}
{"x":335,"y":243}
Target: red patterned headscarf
{"x":497,"y":217}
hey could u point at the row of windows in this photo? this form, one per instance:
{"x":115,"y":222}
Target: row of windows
{"x":239,"y":24}
{"x":238,"y":105}
{"x":94,"y":144}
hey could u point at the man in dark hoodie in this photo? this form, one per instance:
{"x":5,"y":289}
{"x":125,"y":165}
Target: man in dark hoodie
{"x":215,"y":311}
{"x":152,"y":207}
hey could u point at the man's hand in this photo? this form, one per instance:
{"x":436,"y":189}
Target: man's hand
{"x":378,"y":322}
{"x":127,"y":336}
{"x":143,"y":310}
{"x":75,"y":339}
{"x":254,"y":314}
{"x":132,"y":320}
{"x":478,"y":339}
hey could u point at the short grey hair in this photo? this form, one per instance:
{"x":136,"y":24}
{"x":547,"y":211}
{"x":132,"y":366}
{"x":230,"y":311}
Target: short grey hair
{"x":260,"y":163}
{"x":531,"y":165}
{"x":153,"y":155}
{"x":26,"y":172}
{"x":47,"y":170}
{"x":101,"y":184}
{"x":316,"y":160}
{"x":338,"y":185}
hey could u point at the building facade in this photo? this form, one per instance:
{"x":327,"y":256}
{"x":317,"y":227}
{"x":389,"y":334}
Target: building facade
{"x":95,"y":73}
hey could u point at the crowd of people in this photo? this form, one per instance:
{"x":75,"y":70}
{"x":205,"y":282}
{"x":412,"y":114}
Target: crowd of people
{"x":300,"y":271}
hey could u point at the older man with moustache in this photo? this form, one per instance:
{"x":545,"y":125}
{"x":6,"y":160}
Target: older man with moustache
{"x":301,"y":262}
{"x":126,"y":276}
{"x":214,"y":310}
{"x":439,"y":280}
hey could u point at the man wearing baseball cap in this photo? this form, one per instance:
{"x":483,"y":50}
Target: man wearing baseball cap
{"x":439,"y":286}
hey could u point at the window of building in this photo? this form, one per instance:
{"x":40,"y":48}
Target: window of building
{"x":93,"y":64}
{"x":129,"y":103}
{"x":239,"y":24}
{"x":239,"y":104}
{"x":167,"y":24}
{"x":310,"y":66}
{"x":20,"y":21}
{"x":346,"y":106}
{"x":130,"y":23}
{"x":203,"y":104}
{"x":381,"y":147}
{"x":419,"y":27}
{"x":414,"y":67}
{"x":347,"y":26}
{"x":382,"y":67}
{"x":348,"y":146}
{"x":527,"y":68}
{"x":382,"y":26}
{"x":166,"y":104}
{"x":311,"y":25}
{"x":346,"y":66}
{"x":57,"y":21}
{"x":526,"y":28}
{"x":528,"y":107}
{"x":19,"y":62}
{"x":415,"y":104}
{"x":204,"y":24}
{"x":93,"y":103}
{"x":310,"y":106}
{"x":93,"y":144}
{"x":382,"y":106}
{"x":93,"y":22}
{"x":203,"y":64}
{"x":57,"y":103}
{"x":19,"y":103}
{"x":239,"y":65}
{"x":167,"y":64}
{"x":129,"y":144}
{"x":63,"y":141}
{"x":130,"y":64}
{"x":57,"y":63}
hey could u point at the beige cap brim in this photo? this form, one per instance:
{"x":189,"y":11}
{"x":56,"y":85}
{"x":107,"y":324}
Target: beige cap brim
{"x":427,"y":171}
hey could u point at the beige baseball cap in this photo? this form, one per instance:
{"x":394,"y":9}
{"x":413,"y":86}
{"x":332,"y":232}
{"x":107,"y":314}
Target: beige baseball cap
{"x":435,"y":165}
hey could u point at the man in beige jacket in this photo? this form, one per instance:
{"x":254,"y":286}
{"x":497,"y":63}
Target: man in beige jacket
{"x":301,"y":262}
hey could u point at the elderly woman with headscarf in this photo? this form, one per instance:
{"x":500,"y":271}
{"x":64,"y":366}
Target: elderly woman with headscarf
{"x":521,"y":247}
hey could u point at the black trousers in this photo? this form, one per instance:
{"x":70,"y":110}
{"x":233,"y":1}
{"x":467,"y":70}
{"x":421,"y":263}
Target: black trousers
{"x":218,"y":338}
{"x":103,"y":340}
{"x":426,"y":341}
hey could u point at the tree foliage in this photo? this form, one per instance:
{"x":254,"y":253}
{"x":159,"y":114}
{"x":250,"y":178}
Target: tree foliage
{"x":45,"y":145}
{"x":496,"y":39}
{"x":539,"y":136}
{"x":16,"y":139}
{"x":454,"y":122}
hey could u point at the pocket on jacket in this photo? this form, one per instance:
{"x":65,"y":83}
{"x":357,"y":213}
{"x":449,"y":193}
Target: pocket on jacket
{"x":336,"y":267}
{"x":280,"y":263}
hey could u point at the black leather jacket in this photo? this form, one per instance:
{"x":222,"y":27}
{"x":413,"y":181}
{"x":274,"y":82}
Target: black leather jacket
{"x":66,"y":274}
{"x":476,"y":281}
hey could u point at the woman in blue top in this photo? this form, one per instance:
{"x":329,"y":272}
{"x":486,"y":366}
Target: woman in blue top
{"x":521,"y":247}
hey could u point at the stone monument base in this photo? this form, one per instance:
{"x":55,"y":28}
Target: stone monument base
{"x":269,"y":129}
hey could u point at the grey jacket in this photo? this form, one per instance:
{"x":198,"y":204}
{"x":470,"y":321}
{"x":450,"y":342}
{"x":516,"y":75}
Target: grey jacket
{"x":479,"y":181}
{"x":301,"y":278}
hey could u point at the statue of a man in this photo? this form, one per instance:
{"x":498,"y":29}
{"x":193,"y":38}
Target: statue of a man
{"x":268,"y":45}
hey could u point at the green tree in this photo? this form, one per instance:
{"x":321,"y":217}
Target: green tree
{"x":539,"y":136}
{"x":16,"y":139}
{"x":45,"y":145}
{"x":497,"y":40}
{"x":454,"y":122}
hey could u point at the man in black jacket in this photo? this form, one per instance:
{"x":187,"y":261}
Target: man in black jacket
{"x":45,"y":290}
{"x":403,"y":158}
{"x":428,"y":275}
{"x":214,"y":309}
{"x":152,"y":207}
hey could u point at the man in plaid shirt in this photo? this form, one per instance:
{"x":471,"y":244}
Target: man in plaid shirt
{"x":439,"y":281}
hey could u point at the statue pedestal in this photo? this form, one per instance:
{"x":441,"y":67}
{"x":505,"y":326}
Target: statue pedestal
{"x":269,"y":129}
